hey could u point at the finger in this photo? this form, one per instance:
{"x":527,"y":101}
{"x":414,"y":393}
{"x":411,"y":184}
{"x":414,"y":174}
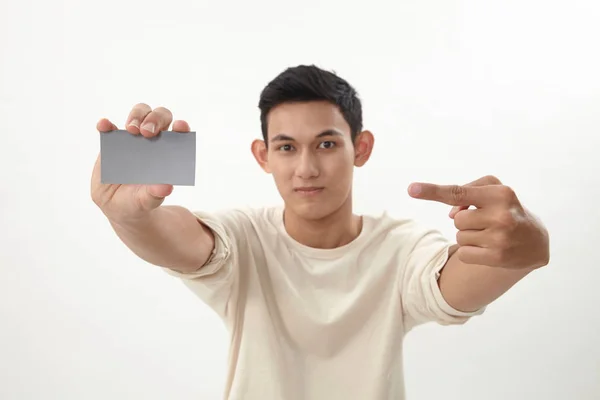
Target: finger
{"x":159,"y":191}
{"x":453,"y":195}
{"x":136,"y":116}
{"x":472,"y":219}
{"x":486,"y":180}
{"x":155,"y":195}
{"x":456,"y":195}
{"x":158,"y":120}
{"x":104,"y":125}
{"x":470,"y":238}
{"x":479,"y":255}
{"x":181,"y":126}
{"x":454,"y":210}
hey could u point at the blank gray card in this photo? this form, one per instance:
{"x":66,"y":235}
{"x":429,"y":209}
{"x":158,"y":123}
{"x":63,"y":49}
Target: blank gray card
{"x":169,"y":157}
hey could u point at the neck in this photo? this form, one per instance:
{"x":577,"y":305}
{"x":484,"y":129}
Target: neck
{"x":334,"y":230}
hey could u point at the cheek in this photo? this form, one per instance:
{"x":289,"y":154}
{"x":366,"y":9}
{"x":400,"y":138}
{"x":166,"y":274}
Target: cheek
{"x":340,"y":169}
{"x":281,"y":171}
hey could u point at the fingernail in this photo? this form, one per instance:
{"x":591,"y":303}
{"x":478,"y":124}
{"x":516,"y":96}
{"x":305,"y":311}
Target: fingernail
{"x":135,"y":122}
{"x":414,"y":189}
{"x":149,"y":127}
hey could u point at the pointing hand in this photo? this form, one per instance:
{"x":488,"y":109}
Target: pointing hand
{"x":499,"y":232}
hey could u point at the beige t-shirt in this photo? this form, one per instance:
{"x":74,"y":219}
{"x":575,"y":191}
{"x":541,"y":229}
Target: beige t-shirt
{"x":322,"y":324}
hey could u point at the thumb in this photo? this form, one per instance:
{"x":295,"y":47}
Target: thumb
{"x":152,"y":196}
{"x":456,"y":209}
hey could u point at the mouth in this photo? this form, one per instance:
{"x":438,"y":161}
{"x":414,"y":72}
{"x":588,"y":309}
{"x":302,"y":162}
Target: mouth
{"x":308,"y":191}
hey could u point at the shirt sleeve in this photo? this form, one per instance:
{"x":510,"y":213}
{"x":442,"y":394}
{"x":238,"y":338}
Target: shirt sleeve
{"x":217,"y":266}
{"x":214,"y":282}
{"x":421,"y":297}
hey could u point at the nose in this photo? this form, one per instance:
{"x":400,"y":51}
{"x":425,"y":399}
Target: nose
{"x":307,"y":166}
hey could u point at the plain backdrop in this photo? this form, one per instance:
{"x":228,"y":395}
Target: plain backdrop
{"x":453,"y":90}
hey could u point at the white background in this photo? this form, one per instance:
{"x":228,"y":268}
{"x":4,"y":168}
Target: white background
{"x":453,"y":90}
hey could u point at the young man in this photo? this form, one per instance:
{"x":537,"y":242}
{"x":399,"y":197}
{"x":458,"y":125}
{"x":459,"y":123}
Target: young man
{"x":318,"y":299}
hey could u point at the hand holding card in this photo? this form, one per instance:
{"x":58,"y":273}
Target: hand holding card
{"x":137,"y":167}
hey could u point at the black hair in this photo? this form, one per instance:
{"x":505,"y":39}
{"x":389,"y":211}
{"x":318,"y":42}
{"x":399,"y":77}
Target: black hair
{"x":310,"y":83}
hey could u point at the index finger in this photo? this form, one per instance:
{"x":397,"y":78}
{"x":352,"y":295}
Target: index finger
{"x":454,"y":195}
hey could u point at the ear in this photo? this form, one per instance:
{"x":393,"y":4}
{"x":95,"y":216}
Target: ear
{"x":260,"y":152}
{"x":363,"y":146}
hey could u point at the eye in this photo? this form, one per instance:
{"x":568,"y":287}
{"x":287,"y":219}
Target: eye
{"x":327,"y":144}
{"x":285,"y":147}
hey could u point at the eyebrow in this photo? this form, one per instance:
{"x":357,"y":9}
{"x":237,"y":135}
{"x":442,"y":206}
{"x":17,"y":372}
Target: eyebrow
{"x":328,"y":132}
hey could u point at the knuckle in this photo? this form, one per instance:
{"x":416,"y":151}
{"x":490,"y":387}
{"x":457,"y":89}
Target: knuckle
{"x":457,"y":193}
{"x":505,"y":219}
{"x":506,"y":194}
{"x":492,"y":180}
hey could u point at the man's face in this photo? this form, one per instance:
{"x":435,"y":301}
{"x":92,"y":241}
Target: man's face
{"x":311,"y":156}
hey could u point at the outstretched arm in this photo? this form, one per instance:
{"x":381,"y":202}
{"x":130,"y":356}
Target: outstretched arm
{"x":169,"y":237}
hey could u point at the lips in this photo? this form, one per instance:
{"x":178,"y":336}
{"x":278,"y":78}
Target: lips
{"x":308,"y":190}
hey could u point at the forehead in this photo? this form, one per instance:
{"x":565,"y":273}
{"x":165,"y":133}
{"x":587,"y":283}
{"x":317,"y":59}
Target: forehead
{"x":305,"y":119}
